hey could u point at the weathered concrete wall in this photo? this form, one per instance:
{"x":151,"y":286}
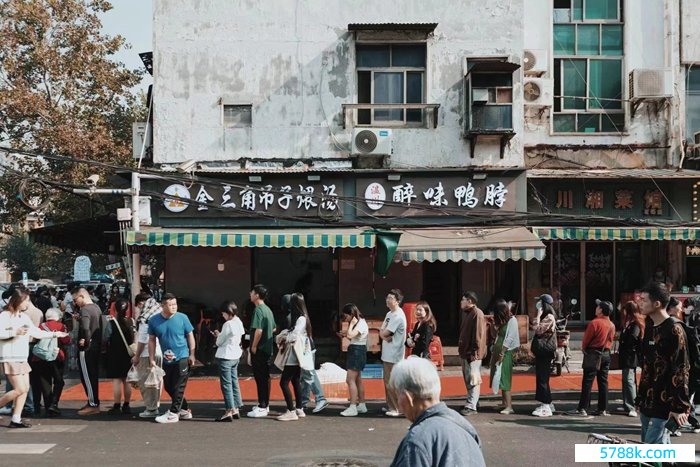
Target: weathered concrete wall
{"x":294,"y":61}
{"x":690,"y":32}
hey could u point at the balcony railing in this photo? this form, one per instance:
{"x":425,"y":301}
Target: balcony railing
{"x":391,"y":115}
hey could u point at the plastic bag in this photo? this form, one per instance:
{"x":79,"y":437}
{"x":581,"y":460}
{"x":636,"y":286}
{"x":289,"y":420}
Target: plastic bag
{"x":155,"y":377}
{"x":496,"y":381}
{"x":133,"y":375}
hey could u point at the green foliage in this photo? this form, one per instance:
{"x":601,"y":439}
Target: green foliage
{"x":20,"y":255}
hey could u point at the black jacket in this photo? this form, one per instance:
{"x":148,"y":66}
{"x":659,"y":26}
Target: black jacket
{"x":630,"y":345}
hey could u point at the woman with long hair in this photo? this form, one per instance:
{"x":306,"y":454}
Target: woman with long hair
{"x":357,"y":332}
{"x":544,"y":326}
{"x":118,"y":358}
{"x":228,"y":354}
{"x":507,"y":341}
{"x":15,"y":329}
{"x":299,"y":331}
{"x":423,"y":330}
{"x":630,"y":348}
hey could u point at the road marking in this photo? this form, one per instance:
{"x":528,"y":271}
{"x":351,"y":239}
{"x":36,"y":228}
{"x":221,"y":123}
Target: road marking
{"x":51,"y":429}
{"x":25,"y":448}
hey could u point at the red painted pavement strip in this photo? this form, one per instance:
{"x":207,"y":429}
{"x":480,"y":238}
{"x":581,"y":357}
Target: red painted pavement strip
{"x":207,"y":389}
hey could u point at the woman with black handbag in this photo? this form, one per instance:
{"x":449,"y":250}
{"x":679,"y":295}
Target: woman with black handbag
{"x":544,"y":343}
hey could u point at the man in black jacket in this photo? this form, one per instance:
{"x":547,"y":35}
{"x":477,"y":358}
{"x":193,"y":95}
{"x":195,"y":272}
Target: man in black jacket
{"x":89,"y":344}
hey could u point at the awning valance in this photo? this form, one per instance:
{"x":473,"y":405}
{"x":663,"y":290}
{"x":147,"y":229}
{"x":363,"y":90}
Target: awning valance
{"x":469,"y":244}
{"x":278,"y":238}
{"x":617,"y":233}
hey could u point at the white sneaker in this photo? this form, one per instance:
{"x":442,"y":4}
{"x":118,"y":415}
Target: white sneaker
{"x":168,"y":417}
{"x":392,"y":413}
{"x":632,"y":413}
{"x":320,"y":406}
{"x":543,"y":411}
{"x":507,"y":411}
{"x":149,"y":414}
{"x":185,"y":414}
{"x":258,"y":412}
{"x":350,"y":411}
{"x":300,"y":413}
{"x":288,"y":416}
{"x":361,"y":407}
{"x":552,"y":408}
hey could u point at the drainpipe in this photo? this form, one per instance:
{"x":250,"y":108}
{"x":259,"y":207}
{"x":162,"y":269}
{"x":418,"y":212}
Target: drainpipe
{"x":135,"y":225}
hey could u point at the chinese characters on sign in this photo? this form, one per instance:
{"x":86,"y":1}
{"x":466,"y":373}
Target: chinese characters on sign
{"x":649,"y":202}
{"x":623,"y":199}
{"x":565,"y":199}
{"x":594,"y":199}
{"x":653,"y":201}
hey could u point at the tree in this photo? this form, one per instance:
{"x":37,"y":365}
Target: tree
{"x":62,"y":94}
{"x":20,"y":255}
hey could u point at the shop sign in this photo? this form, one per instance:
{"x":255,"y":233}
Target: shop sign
{"x":179,"y":193}
{"x":424,"y":196}
{"x":622,"y":201}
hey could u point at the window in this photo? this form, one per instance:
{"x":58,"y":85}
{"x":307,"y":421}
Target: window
{"x":238,"y":116}
{"x":491,"y":102}
{"x":692,"y":106}
{"x":588,"y":66}
{"x":390,"y":74}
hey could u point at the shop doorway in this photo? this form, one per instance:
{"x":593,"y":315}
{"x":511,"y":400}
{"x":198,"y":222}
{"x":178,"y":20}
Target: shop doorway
{"x":308,"y":271}
{"x":441,"y":289}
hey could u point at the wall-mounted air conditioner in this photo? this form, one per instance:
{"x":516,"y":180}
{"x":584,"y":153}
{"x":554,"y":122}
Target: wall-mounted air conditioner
{"x":535,"y":62}
{"x":650,"y":84}
{"x":538,"y":92}
{"x":139,"y":132}
{"x":372,"y":141}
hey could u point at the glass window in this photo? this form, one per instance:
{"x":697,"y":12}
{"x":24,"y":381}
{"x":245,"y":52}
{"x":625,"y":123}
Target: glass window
{"x":611,"y":39}
{"x":562,"y":11}
{"x":414,"y":95}
{"x":565,"y":123}
{"x":588,"y":39}
{"x":238,"y":116}
{"x":564,"y":39}
{"x":489,"y":80}
{"x":412,"y":55}
{"x":373,"y":56}
{"x":606,"y":83}
{"x":692,"y":104}
{"x":574,"y":84}
{"x":577,"y":13}
{"x":612,"y":123}
{"x":588,"y":123}
{"x":388,"y":89}
{"x":364,"y":96}
{"x":601,"y":9}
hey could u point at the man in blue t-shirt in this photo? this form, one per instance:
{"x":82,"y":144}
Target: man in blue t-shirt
{"x":174,"y":331}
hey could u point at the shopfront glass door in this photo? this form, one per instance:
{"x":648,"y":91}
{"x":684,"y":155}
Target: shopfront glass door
{"x":599,"y":275}
{"x":566,"y":277}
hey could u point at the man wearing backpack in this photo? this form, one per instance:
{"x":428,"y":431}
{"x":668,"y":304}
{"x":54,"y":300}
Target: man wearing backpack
{"x":663,"y":394}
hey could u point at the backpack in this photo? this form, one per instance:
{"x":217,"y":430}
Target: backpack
{"x":46,"y":349}
{"x":693,"y":342}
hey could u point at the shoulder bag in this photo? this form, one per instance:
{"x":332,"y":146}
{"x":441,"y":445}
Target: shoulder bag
{"x":593,"y":359}
{"x":130,"y":349}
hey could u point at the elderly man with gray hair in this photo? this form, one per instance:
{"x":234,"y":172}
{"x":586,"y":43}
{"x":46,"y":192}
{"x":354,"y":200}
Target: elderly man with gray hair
{"x":439,"y":436}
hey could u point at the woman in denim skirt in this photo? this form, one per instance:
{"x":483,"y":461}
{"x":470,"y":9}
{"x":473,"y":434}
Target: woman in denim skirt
{"x":357,"y":332}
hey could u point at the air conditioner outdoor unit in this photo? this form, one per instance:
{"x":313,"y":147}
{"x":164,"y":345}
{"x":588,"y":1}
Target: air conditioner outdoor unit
{"x":372,"y":141}
{"x":535,"y":62}
{"x":538,"y":92}
{"x":696,"y":137}
{"x":480,"y":96}
{"x":139,"y":131}
{"x":650,"y":84}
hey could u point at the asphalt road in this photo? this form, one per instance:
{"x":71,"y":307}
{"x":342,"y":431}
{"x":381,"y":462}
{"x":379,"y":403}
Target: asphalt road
{"x":324,"y":439}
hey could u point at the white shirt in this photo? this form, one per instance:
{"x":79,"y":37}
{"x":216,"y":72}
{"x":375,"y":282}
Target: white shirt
{"x":299,"y":332}
{"x":363,"y":331}
{"x":393,"y":351}
{"x":512,"y":338}
{"x":229,"y":340}
{"x":142,"y":338}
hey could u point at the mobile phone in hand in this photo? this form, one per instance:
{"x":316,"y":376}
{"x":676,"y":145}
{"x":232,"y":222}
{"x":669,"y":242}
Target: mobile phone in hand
{"x":672,"y":425}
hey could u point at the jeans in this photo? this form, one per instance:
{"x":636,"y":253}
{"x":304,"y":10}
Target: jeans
{"x":228,"y":377}
{"x":175,"y":382}
{"x":629,"y":388}
{"x":543,"y":371}
{"x":654,"y":430}
{"x":261,"y":373}
{"x":472,"y":379}
{"x":311,"y":384}
{"x":291,"y":373}
{"x":602,"y":377}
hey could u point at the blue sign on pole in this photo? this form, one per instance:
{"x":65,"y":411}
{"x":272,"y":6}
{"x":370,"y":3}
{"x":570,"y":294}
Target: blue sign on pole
{"x":25,"y":278}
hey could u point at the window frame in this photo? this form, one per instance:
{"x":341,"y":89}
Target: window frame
{"x":695,"y":94}
{"x":470,"y":97}
{"x":404,"y":70}
{"x":559,"y":59}
{"x":231,"y":125}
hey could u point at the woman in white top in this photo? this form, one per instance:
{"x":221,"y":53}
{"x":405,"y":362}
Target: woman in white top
{"x":15,"y":330}
{"x":228,"y":354}
{"x":507,"y":341}
{"x":298,"y":334}
{"x":357,"y":332}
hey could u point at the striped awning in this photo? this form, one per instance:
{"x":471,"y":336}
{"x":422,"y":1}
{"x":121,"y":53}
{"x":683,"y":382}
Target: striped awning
{"x":469,"y":244}
{"x":617,"y":233}
{"x":278,"y":238}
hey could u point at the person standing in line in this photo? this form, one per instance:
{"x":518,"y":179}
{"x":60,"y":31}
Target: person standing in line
{"x":630,"y":348}
{"x":507,"y":342}
{"x":228,"y":354}
{"x":147,"y":307}
{"x":118,"y":358}
{"x":472,"y":349}
{"x":422,"y":334}
{"x":311,"y":384}
{"x":543,"y":326}
{"x":393,"y":336}
{"x":296,"y":338}
{"x":262,"y":327}
{"x":51,"y":372}
{"x":89,"y":345}
{"x":598,"y":338}
{"x":15,"y":330}
{"x":663,"y":389}
{"x":357,"y":332}
{"x":438,"y":436}
{"x":174,"y":332}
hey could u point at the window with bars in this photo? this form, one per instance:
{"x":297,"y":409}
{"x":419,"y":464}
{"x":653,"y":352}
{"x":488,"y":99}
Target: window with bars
{"x":588,"y":66}
{"x":391,"y":74}
{"x":491,"y":103}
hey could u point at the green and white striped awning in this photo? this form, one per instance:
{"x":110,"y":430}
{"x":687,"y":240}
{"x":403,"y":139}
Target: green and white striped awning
{"x":616,"y":233}
{"x":469,"y":244}
{"x":280,"y":238}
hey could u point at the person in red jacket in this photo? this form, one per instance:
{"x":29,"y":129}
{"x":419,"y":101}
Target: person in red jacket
{"x":51,"y":373}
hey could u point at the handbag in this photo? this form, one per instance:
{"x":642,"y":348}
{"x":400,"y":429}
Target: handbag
{"x":281,"y":357}
{"x":615,"y":357}
{"x":592,"y":359}
{"x":302,"y":349}
{"x":130,"y":349}
{"x":544,"y":345}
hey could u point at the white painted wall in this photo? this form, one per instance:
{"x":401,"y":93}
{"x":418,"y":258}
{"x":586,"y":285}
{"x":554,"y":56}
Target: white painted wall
{"x":294,"y":62}
{"x":690,"y":32}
